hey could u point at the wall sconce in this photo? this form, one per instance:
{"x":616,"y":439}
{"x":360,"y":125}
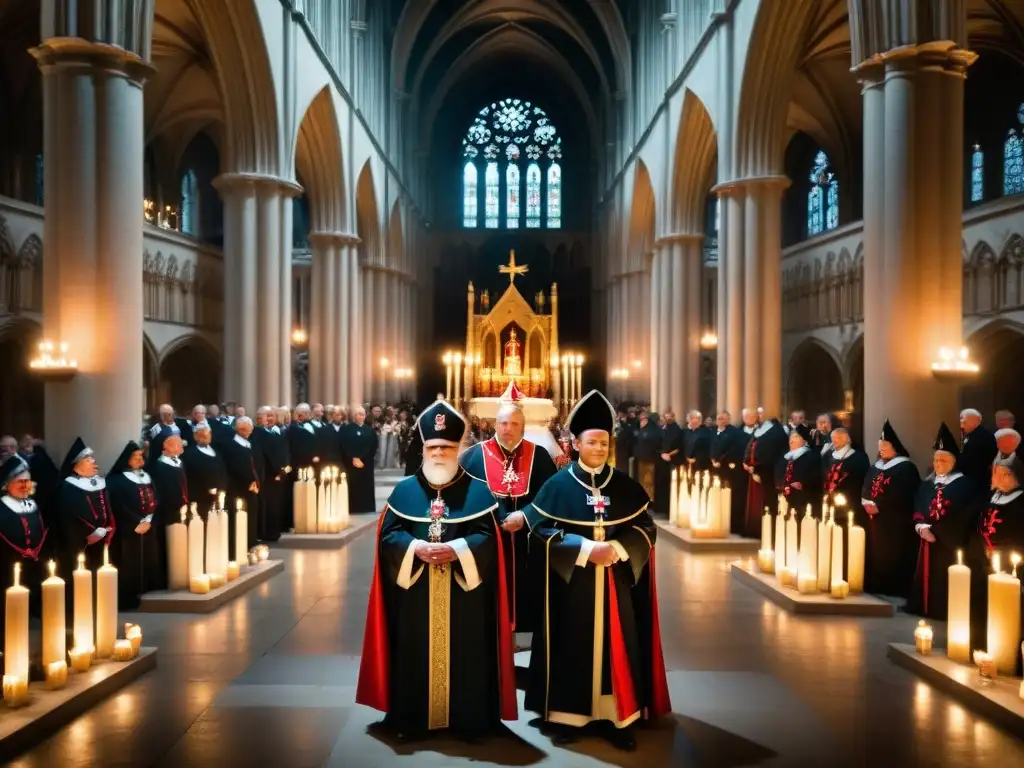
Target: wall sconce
{"x":299,"y":337}
{"x":50,"y":367}
{"x":954,"y":365}
{"x":620,"y":373}
{"x":709,"y":341}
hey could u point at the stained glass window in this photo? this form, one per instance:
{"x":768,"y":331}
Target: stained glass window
{"x":1013,"y":163}
{"x":189,"y":202}
{"x":512,"y":193}
{"x":977,"y":175}
{"x":554,"y":196}
{"x":491,"y":196}
{"x":503,"y":134}
{"x":533,"y":196}
{"x":469,"y":193}
{"x":823,"y":197}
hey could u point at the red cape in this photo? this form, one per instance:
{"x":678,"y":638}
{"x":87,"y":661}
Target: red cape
{"x":372,"y":688}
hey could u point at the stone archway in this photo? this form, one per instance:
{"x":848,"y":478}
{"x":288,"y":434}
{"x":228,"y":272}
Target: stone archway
{"x":1000,"y":354}
{"x":190,"y":373}
{"x":815,"y":380}
{"x":21,"y":394}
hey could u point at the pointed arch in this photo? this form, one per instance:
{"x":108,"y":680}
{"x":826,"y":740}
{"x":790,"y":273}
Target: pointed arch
{"x":693,"y":171}
{"x":642,"y":219}
{"x":319,"y":162}
{"x":367,"y":216}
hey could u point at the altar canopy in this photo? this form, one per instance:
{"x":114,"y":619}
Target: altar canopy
{"x":512,"y":340}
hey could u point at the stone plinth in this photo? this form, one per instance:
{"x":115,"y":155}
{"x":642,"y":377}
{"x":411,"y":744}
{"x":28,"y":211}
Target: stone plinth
{"x":683,"y":537}
{"x":181,"y":601}
{"x":815,"y":603}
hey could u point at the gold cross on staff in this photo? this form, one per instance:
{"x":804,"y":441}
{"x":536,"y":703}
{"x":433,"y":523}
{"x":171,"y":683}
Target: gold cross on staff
{"x":511,"y":269}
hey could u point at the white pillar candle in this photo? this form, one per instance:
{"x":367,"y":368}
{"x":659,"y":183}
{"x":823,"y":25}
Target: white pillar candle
{"x":780,"y":541}
{"x":808,"y":556}
{"x":683,"y":513}
{"x":311,"y":502}
{"x":200,"y":584}
{"x":958,"y":611}
{"x":54,"y":626}
{"x":792,"y":542}
{"x":210,"y":544}
{"x":16,"y":632}
{"x":343,"y":494}
{"x":725,"y":511}
{"x":838,"y":584}
{"x":855,"y":564}
{"x":328,"y":513}
{"x":233,"y":570}
{"x":766,"y":531}
{"x":106,"y":606}
{"x":321,"y":503}
{"x":673,"y":498}
{"x":824,"y":552}
{"x":82,"y":580}
{"x":298,"y":503}
{"x":224,"y":541}
{"x":241,"y":534}
{"x":177,"y":553}
{"x":1003,"y":618}
{"x":196,"y":539}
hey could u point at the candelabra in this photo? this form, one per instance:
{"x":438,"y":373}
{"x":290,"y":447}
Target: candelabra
{"x":954,"y":366}
{"x":54,"y":367}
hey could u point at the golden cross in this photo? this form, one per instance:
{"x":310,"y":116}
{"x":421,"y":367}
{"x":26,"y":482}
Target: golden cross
{"x":511,"y":269}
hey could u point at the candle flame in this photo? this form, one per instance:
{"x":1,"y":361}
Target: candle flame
{"x":106,"y":554}
{"x":995,"y":562}
{"x":53,"y":568}
{"x":849,"y":519}
{"x":81,"y":561}
{"x":959,"y":557}
{"x":17,"y":574}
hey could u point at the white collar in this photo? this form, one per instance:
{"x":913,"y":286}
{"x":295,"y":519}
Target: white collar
{"x":761,"y":428}
{"x":891,"y":462}
{"x":842,"y":453}
{"x":826,"y":448}
{"x":1000,"y":498}
{"x":308,"y":426}
{"x":207,"y":449}
{"x":337,"y":427}
{"x":19,"y":506}
{"x":793,"y":455}
{"x":139,"y":477}
{"x":316,"y":423}
{"x":720,"y":430}
{"x":174,"y":461}
{"x":87,"y":484}
{"x":946,"y":479}
{"x":275,"y":429}
{"x":587,"y":469}
{"x":242,"y":441}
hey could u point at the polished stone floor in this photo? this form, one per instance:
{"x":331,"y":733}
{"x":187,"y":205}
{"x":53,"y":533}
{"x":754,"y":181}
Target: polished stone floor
{"x":269,"y":682}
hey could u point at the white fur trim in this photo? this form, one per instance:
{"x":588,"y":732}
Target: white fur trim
{"x":585,"y":550}
{"x":468,"y":563}
{"x":406,"y":578}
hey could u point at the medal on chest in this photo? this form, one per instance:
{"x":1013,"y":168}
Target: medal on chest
{"x":600,"y":504}
{"x":510,"y":478}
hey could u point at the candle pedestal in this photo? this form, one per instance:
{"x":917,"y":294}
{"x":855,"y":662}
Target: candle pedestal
{"x":164,"y":601}
{"x":333,"y":540}
{"x":693,"y":540}
{"x":816,"y":602}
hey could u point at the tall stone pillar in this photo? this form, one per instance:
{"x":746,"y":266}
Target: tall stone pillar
{"x":675,"y":323}
{"x":369,"y":331}
{"x":268,"y":318}
{"x":321,"y":326}
{"x":92,"y":264}
{"x":355,"y":325}
{"x":913,"y":202}
{"x":289,"y":322}
{"x":665,"y":350}
{"x":380,"y":315}
{"x":343,"y":331}
{"x":690,"y":302}
{"x":730,"y":302}
{"x":654,"y":368}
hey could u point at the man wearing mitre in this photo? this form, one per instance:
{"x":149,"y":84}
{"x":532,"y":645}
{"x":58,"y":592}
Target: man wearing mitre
{"x":597,"y":655}
{"x":514,"y":469}
{"x":437,"y":653}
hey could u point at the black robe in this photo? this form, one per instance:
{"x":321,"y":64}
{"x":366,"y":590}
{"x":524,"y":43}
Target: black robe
{"x":533,"y":465}
{"x":80,"y":513}
{"x":414,"y":453}
{"x":975,"y":459}
{"x":25,"y":539}
{"x":275,"y":493}
{"x":205,"y":477}
{"x":727,"y":447}
{"x":768,"y":442}
{"x":360,"y":442}
{"x":846,"y":476}
{"x":304,"y":445}
{"x":671,"y":440}
{"x":445,"y":673}
{"x":564,"y":520}
{"x":891,"y":546}
{"x":697,"y":448}
{"x":624,"y":441}
{"x":951,"y":508}
{"x":138,"y":557}
{"x":171,"y":484}
{"x":805,"y":469}
{"x":243,"y":463}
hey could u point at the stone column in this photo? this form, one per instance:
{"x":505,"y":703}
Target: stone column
{"x":675,"y":322}
{"x":289,"y":322}
{"x":355,"y":325}
{"x":320,"y":318}
{"x":92,"y":263}
{"x":730,"y":301}
{"x":913,"y":193}
{"x":665,"y":333}
{"x":369,"y":330}
{"x":654,"y":365}
{"x":340,"y":395}
{"x":268,"y":318}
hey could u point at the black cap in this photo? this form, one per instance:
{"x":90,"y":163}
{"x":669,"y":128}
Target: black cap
{"x":441,"y":422}
{"x":121,"y":465}
{"x":944,"y":441}
{"x":79,"y":450}
{"x":889,"y":435}
{"x":593,"y":411}
{"x":803,"y":430}
{"x":12,"y":468}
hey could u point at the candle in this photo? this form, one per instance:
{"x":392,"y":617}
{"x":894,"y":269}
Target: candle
{"x":1003,"y":618}
{"x":123,"y":651}
{"x":310,"y":524}
{"x":855,"y":563}
{"x":16,"y":633}
{"x":81,"y":658}
{"x":685,"y":505}
{"x":106,"y":606}
{"x":82,"y":580}
{"x":321,"y":503}
{"x":196,"y":537}
{"x":224,"y":540}
{"x":54,"y":632}
{"x":217,"y":580}
{"x":767,"y":561}
{"x":986,"y":665}
{"x":15,"y":689}
{"x":824,"y":551}
{"x":673,"y":498}
{"x":807,"y":583}
{"x":200,"y":584}
{"x":725,"y":511}
{"x":780,"y":541}
{"x":958,"y":611}
{"x":923,"y":638}
{"x":56,"y":675}
{"x":133,"y":634}
{"x":808,"y":553}
{"x":324,"y":521}
{"x":233,"y":570}
{"x":210,"y":544}
{"x":241,"y":533}
{"x":299,"y":501}
{"x":220,"y":500}
{"x":177,"y":552}
{"x":263,"y":552}
{"x":792,"y":544}
{"x":343,"y":498}
{"x":252,"y":557}
{"x":839,"y":587}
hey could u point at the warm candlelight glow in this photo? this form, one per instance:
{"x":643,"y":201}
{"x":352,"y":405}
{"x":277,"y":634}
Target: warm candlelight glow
{"x":299,"y":337}
{"x":17,"y":574}
{"x":81,"y":561}
{"x":1014,"y":561}
{"x":709,"y":341}
{"x":923,"y":638}
{"x":954,"y":363}
{"x":839,"y":500}
{"x":53,"y":358}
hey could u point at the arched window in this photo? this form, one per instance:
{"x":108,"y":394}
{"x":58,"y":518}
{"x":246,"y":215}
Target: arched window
{"x":469,"y":213}
{"x":502,"y":136}
{"x":533,"y":196}
{"x":977,"y":175}
{"x":1013,"y":159}
{"x":189,"y":202}
{"x":823,"y":199}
